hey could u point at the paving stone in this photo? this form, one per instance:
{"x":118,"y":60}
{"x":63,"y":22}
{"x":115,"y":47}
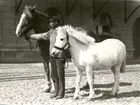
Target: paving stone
{"x":20,"y":84}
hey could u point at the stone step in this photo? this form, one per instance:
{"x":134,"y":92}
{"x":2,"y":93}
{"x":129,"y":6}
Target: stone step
{"x":133,"y":61}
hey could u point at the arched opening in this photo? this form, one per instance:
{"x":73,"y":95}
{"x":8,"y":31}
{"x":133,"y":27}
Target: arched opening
{"x":136,"y":38}
{"x":104,"y":29}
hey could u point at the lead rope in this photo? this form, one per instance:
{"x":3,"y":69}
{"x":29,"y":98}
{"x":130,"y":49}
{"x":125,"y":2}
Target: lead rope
{"x":67,"y":62}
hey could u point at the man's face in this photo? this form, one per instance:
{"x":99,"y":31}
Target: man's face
{"x":53,"y":24}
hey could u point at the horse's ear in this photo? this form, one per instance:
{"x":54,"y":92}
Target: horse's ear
{"x":67,"y":32}
{"x":33,"y":8}
{"x":27,"y":11}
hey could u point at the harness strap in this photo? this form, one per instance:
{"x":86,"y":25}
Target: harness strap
{"x":63,"y":48}
{"x":66,"y":61}
{"x":57,"y":58}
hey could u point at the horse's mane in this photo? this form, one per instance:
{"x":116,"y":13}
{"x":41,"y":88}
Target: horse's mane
{"x":28,"y":9}
{"x":79,"y":35}
{"x":43,"y":14}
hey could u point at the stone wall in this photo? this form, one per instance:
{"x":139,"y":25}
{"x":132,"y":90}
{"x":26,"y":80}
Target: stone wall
{"x":79,"y":13}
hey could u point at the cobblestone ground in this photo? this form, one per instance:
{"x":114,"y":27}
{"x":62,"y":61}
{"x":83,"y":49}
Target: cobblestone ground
{"x":23,"y":84}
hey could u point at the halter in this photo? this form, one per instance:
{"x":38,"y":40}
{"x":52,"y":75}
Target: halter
{"x":27,"y":27}
{"x":63,"y":48}
{"x":25,"y":30}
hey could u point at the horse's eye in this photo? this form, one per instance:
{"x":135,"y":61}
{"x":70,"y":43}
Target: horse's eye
{"x":61,"y":39}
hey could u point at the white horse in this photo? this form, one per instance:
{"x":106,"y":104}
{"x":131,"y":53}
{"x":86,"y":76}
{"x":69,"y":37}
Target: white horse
{"x":88,"y":55}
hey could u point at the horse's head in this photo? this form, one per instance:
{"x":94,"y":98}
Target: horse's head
{"x":26,"y":22}
{"x":61,"y":43}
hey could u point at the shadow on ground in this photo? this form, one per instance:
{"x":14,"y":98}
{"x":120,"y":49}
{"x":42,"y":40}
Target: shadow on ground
{"x":110,"y":85}
{"x":120,"y":95}
{"x":19,"y":78}
{"x":105,"y":93}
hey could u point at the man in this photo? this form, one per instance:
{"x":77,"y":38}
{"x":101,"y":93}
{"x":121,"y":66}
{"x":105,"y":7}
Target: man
{"x":57,"y":65}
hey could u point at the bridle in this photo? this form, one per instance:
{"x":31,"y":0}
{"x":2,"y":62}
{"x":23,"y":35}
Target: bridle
{"x":31,"y":21}
{"x":28,"y":26}
{"x":24,"y":32}
{"x":64,"y":47}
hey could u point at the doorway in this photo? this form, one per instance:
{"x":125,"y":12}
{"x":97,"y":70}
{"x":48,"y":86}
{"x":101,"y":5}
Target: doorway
{"x":136,"y":38}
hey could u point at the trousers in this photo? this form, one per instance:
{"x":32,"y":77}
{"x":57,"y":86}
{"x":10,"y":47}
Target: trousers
{"x":58,"y":76}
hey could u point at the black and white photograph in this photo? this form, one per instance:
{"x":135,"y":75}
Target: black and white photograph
{"x":69,"y":52}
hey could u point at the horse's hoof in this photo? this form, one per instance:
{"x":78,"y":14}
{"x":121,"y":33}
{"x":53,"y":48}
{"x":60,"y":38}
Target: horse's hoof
{"x":116,"y":95}
{"x":52,"y":89}
{"x":85,"y":87}
{"x":113,"y":94}
{"x":48,"y":90}
{"x":90,"y":99}
{"x":76,"y":98}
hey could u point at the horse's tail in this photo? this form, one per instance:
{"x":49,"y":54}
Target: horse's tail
{"x":123,"y":66}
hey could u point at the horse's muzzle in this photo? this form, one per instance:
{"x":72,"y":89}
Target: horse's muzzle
{"x":57,"y":55}
{"x":19,"y":34}
{"x":54,"y":54}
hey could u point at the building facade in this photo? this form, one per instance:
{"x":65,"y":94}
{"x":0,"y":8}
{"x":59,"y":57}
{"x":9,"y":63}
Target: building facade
{"x":119,"y":18}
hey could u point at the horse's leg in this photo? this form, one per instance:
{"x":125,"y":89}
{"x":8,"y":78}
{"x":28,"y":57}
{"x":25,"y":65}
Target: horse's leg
{"x":45,"y":57}
{"x":78,"y":81}
{"x":89,"y":72}
{"x":87,"y":85}
{"x":116,"y":71}
{"x":47,"y":71}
